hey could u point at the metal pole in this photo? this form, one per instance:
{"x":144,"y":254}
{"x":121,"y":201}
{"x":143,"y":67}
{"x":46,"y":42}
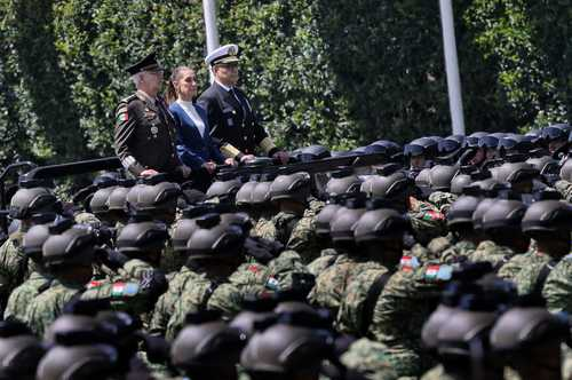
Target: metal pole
{"x":452,"y":67}
{"x":209,"y":11}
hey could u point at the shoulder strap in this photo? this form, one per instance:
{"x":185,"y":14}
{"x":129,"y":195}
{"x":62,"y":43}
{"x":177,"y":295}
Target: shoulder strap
{"x":45,"y":286}
{"x":502,"y":262}
{"x":210,"y":291}
{"x":371,"y":300}
{"x":544,"y":272}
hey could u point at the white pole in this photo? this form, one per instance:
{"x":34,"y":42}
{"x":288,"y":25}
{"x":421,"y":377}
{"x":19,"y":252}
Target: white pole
{"x":452,"y":67}
{"x":209,"y":12}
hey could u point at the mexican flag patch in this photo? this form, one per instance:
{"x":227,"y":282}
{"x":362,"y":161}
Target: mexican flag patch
{"x":438,"y":273}
{"x":120,"y":289}
{"x":408,"y":263}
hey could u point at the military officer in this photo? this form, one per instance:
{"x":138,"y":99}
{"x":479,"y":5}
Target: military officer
{"x":144,"y":127}
{"x":232,"y":120}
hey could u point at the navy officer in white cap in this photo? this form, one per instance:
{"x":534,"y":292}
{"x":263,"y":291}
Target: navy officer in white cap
{"x":232,"y":120}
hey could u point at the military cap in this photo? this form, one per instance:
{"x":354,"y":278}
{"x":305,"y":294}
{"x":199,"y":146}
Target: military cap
{"x":505,"y":214}
{"x":149,"y":63}
{"x":343,"y":182}
{"x":547,"y":216}
{"x":522,"y":327}
{"x":223,"y":55}
{"x":380,"y":224}
{"x":214,"y":239}
{"x":97,"y":361}
{"x":29,"y":201}
{"x":139,"y":237}
{"x":440,"y":177}
{"x":291,"y":187}
{"x":206,"y":343}
{"x":19,"y":357}
{"x":461,"y":211}
{"x":285,"y":349}
{"x":74,"y":246}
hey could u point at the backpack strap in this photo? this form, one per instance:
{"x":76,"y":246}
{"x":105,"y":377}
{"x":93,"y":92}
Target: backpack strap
{"x":371,"y":300}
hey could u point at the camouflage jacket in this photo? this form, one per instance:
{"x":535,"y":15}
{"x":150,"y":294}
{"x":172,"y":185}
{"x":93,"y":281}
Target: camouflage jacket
{"x":527,"y":277}
{"x":557,"y":289}
{"x":303,"y":238}
{"x":370,"y":359}
{"x":488,"y":251}
{"x":284,"y":224}
{"x":13,"y":263}
{"x":326,"y":259}
{"x":426,"y":220}
{"x":565,"y":189}
{"x":23,"y":295}
{"x":456,"y":251}
{"x":442,"y":200}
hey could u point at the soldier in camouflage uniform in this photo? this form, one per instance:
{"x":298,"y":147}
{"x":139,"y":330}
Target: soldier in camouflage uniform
{"x":262,"y":209}
{"x":501,"y":223}
{"x":546,"y":273}
{"x":548,"y":223}
{"x":331,"y":283}
{"x":426,"y":220}
{"x":379,"y":232}
{"x":215,"y":251}
{"x":440,"y":178}
{"x":39,"y":279}
{"x":25,"y":203}
{"x":328,"y":254}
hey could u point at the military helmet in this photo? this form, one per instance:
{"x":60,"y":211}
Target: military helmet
{"x":430,"y":331}
{"x":522,"y":327}
{"x":79,"y":362}
{"x":547,"y":216}
{"x":74,"y":246}
{"x":545,"y":165}
{"x":19,"y":357}
{"x":244,"y":194}
{"x":284,"y":349}
{"x":224,"y":188}
{"x":487,"y":187}
{"x":462,"y":328}
{"x":206,"y":342}
{"x":182,"y":233}
{"x":503,"y":214}
{"x":261,"y":193}
{"x":426,"y":146}
{"x":488,"y":141}
{"x":74,"y":330}
{"x":515,"y":172}
{"x":291,"y":187}
{"x":29,"y":201}
{"x":461,"y":212}
{"x":449,"y":148}
{"x":440,"y":177}
{"x":566,"y":171}
{"x":324,"y":218}
{"x":34,"y":240}
{"x":459,"y":182}
{"x":483,"y":207}
{"x":514,"y":143}
{"x":556,"y":132}
{"x":214,"y":239}
{"x":311,"y":153}
{"x":341,"y":226}
{"x":254,"y":310}
{"x":343,"y":182}
{"x":472,"y":141}
{"x":152,"y":198}
{"x":99,"y":202}
{"x":137,"y":237}
{"x":117,"y":200}
{"x":393,"y":186}
{"x":423,"y":178}
{"x":379,"y":225}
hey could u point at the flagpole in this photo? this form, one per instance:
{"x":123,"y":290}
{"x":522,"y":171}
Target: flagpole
{"x":209,"y":13}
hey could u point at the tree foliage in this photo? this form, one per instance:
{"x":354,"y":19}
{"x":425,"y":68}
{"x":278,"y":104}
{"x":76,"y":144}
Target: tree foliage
{"x":332,"y":72}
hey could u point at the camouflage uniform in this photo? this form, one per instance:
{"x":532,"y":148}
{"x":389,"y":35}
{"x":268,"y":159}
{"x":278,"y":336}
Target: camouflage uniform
{"x":47,"y":306}
{"x":510,"y":270}
{"x":527,"y":277}
{"x":284,"y":224}
{"x":326,"y":259}
{"x":406,"y":302}
{"x":86,"y":218}
{"x":303,"y":238}
{"x":23,"y":295}
{"x":331,"y":285}
{"x":369,"y":358}
{"x":426,"y":220}
{"x":462,"y":248}
{"x":264,"y":228}
{"x":565,"y":189}
{"x":437,"y":373}
{"x":442,"y":200}
{"x":557,"y":290}
{"x":489,"y":251}
{"x":204,"y":294}
{"x":13,"y":263}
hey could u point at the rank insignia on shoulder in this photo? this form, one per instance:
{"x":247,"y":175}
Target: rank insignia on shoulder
{"x":408,"y":263}
{"x":438,"y":273}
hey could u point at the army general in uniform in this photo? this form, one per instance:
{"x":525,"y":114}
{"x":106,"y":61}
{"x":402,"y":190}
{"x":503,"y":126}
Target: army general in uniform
{"x":232,"y":120}
{"x":144,"y":127}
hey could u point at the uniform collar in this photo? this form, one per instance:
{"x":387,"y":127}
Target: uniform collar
{"x":145,"y":97}
{"x":226,"y":88}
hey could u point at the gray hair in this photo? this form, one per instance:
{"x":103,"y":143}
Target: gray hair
{"x":137,"y":78}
